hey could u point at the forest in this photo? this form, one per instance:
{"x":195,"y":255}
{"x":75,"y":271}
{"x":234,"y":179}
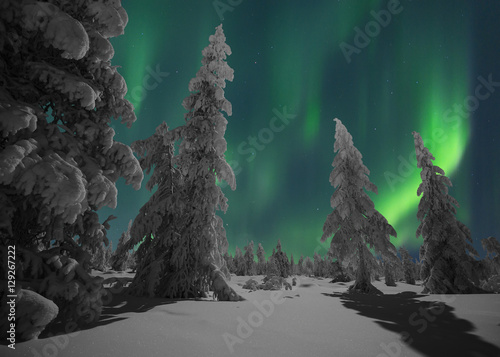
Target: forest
{"x":59,"y":164}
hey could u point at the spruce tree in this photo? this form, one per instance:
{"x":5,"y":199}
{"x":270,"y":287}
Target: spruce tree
{"x":108,"y":255}
{"x":59,"y":161}
{"x":185,"y":253}
{"x":292,"y":265}
{"x":229,"y":263}
{"x":239,"y":262}
{"x":446,"y":239}
{"x":318,"y":265}
{"x":261,"y":260}
{"x":492,"y":247}
{"x":120,"y":259}
{"x":98,"y":257}
{"x":389,"y":274}
{"x":354,"y":222}
{"x":308,"y":266}
{"x":281,"y":261}
{"x":300,"y":267}
{"x":408,"y":266}
{"x":249,"y":259}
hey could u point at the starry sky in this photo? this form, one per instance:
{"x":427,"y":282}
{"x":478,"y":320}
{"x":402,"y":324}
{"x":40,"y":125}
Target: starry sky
{"x":384,"y":68}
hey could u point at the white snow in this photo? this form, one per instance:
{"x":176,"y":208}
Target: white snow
{"x":311,"y":320}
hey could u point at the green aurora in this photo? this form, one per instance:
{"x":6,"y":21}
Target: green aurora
{"x":288,"y":58}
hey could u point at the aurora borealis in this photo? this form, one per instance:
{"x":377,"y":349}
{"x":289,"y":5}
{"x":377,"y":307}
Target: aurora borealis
{"x":418,"y":70}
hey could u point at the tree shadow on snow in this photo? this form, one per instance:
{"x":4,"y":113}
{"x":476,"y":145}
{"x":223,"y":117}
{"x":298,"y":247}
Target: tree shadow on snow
{"x":429,"y":327}
{"x":115,"y":303}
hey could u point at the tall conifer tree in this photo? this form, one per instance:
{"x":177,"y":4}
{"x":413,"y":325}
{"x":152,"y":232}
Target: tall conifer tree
{"x":354,"y":222}
{"x":261,"y":260}
{"x":446,"y":239}
{"x":189,"y":235}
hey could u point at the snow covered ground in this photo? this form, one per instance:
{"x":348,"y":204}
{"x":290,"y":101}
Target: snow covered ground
{"x":313,"y":319}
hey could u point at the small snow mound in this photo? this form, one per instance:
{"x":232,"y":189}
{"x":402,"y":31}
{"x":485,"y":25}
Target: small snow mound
{"x":34,"y":313}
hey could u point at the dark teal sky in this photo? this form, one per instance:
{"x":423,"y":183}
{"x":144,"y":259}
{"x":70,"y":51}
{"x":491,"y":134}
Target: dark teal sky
{"x":423,"y":69}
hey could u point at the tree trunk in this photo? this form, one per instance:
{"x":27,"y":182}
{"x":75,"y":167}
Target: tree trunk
{"x":362,"y":283}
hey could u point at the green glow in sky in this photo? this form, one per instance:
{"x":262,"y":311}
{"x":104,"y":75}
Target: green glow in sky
{"x":288,"y":55}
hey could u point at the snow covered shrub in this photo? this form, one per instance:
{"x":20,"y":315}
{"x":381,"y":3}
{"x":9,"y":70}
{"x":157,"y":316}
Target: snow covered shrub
{"x":272,"y":282}
{"x":58,"y":159}
{"x":251,"y":284}
{"x":33,"y":313}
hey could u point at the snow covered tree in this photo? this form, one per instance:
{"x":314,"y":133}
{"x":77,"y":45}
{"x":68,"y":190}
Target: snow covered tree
{"x":408,"y":266}
{"x":389,"y":274}
{"x":58,"y":159}
{"x":492,"y":248}
{"x":300,"y":264}
{"x":239,"y":262}
{"x":354,"y":222}
{"x":98,"y":259}
{"x":292,"y":265}
{"x":122,"y":256}
{"x":185,"y":258}
{"x":338,"y":273}
{"x":281,"y":261}
{"x":249,"y":259}
{"x":108,"y":255}
{"x":318,"y":264}
{"x":229,"y":263}
{"x":446,"y":239}
{"x":261,"y":260}
{"x":271,"y":266}
{"x":308,"y":266}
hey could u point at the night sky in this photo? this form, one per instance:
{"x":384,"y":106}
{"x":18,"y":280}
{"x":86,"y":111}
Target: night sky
{"x":433,"y":67}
